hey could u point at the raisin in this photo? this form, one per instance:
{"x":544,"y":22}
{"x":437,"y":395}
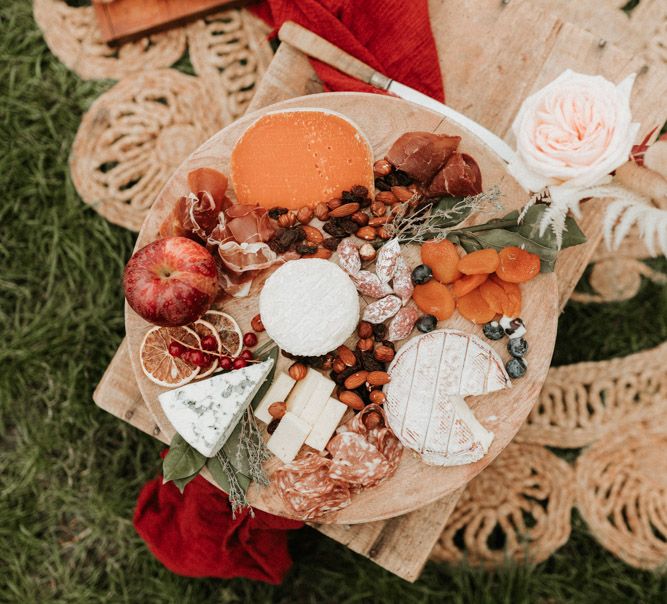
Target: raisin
{"x":349,"y":226}
{"x":379,"y":331}
{"x":340,"y":378}
{"x":277,"y":247}
{"x":273,"y":424}
{"x":276,"y":212}
{"x":381,"y":185}
{"x":359,"y":191}
{"x":299,"y":233}
{"x":391,"y":179}
{"x":389,"y":344}
{"x":331,"y":243}
{"x":369,"y":363}
{"x":403,"y":179}
{"x":334,"y":230}
{"x":305,"y":248}
{"x":347,"y":197}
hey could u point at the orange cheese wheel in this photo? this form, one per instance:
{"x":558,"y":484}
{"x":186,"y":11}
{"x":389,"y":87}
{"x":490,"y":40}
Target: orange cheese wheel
{"x":299,"y":158}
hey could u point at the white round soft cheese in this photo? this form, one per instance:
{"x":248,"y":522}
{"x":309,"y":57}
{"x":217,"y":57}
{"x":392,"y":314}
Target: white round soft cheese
{"x":309,"y":307}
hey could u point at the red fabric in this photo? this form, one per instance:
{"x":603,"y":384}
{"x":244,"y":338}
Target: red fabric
{"x":392,"y":36}
{"x":194,"y":534}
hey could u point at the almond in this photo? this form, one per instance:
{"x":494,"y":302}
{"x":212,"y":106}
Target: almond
{"x":361,"y":218}
{"x":364,"y":329}
{"x":386,"y":197}
{"x":322,"y":211}
{"x":384,"y":354}
{"x":402,"y":193}
{"x":312,"y":234}
{"x":347,"y":356}
{"x":277,"y":410}
{"x":347,"y":209}
{"x":355,"y":380}
{"x":256,"y":323}
{"x":382,"y":167}
{"x":297,"y":371}
{"x":321,"y":252}
{"x":378,"y":378}
{"x":335,"y":202}
{"x":351,"y":399}
{"x":367,"y":252}
{"x":372,"y":419}
{"x":365,"y":344}
{"x":377,"y":221}
{"x":305,"y":214}
{"x":377,"y":397}
{"x":383,"y":233}
{"x":368,"y":233}
{"x":378,"y":208}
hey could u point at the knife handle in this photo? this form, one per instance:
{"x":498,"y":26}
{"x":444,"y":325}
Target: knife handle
{"x":317,"y":47}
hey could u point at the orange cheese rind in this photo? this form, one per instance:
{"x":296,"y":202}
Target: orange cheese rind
{"x":299,"y":157}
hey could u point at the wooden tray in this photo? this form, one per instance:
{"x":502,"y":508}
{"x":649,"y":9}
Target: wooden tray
{"x":415,"y":484}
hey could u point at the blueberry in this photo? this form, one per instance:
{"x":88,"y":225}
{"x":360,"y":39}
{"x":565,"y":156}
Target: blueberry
{"x":426,"y":323}
{"x":493,"y":330}
{"x":421,"y":274}
{"x":517,"y":347}
{"x":516,"y":368}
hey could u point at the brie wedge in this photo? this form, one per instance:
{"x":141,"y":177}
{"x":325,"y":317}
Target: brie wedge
{"x":205,"y":413}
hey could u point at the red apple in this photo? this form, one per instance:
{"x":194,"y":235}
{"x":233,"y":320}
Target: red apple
{"x":171,"y":281}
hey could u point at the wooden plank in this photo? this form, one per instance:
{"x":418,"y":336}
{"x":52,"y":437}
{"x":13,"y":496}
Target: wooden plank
{"x":123,"y":20}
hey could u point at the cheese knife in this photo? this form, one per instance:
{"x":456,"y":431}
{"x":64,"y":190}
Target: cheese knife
{"x":317,"y":47}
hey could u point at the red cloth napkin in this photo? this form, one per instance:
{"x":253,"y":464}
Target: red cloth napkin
{"x":392,"y":36}
{"x":194,"y":534}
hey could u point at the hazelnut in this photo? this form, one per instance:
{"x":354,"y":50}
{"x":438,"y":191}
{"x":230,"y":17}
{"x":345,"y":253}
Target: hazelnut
{"x":334,"y":203}
{"x":402,"y":193}
{"x":365,"y":329}
{"x":365,"y":344}
{"x":367,"y":253}
{"x":277,"y":410}
{"x":361,"y":218}
{"x":378,"y":208}
{"x":305,"y":214}
{"x":384,"y":354}
{"x":256,"y":323}
{"x":372,"y":419}
{"x":383,"y":233}
{"x":381,"y":168}
{"x":368,"y":233}
{"x":288,"y":220}
{"x":377,"y":397}
{"x":322,"y":211}
{"x":338,"y":366}
{"x":297,"y":371}
{"x":344,"y":210}
{"x":386,"y":197}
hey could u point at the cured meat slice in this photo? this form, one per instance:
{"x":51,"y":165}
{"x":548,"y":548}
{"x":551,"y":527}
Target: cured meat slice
{"x":348,"y":257}
{"x":460,"y":177}
{"x":385,"y":263}
{"x":369,"y":284}
{"x":300,"y":158}
{"x":381,"y":310}
{"x":421,"y":154}
{"x":403,"y":286}
{"x":402,"y":323}
{"x":355,"y":460}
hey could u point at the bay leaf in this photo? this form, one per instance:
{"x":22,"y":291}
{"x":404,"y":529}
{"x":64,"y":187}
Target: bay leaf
{"x":447,"y":204}
{"x":182,"y":460}
{"x":530,"y":228}
{"x":181,"y":483}
{"x":220,"y":476}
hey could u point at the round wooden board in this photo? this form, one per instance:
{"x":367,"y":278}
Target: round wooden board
{"x":415,"y":484}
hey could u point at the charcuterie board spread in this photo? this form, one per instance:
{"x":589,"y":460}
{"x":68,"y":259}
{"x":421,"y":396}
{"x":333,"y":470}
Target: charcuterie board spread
{"x":336,"y":310}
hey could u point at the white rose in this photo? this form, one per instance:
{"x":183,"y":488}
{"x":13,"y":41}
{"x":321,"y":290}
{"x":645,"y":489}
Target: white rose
{"x":573,"y":133}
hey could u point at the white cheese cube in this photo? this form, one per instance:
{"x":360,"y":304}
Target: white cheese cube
{"x":277,"y":392}
{"x":290,"y":434}
{"x":205,"y":413}
{"x":326,"y":424}
{"x":317,"y":400}
{"x":303,"y":391}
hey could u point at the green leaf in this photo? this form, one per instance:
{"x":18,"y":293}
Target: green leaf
{"x":447,"y":204}
{"x":219,"y":474}
{"x":182,"y":482}
{"x":530,"y":229}
{"x":182,"y":460}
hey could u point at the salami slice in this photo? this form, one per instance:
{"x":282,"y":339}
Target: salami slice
{"x":383,"y":309}
{"x":402,"y":323}
{"x":402,"y":283}
{"x":355,"y":460}
{"x":370,"y":285}
{"x":348,"y":257}
{"x":385,"y":262}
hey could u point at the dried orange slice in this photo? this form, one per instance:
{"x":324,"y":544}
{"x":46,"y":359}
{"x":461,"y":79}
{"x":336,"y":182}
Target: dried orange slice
{"x":229,"y":331}
{"x":160,"y":366}
{"x":203,"y":329}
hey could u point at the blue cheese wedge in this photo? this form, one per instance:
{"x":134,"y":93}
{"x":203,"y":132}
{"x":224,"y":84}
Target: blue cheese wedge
{"x":205,"y":413}
{"x":290,"y":434}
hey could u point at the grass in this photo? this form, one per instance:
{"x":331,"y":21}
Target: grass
{"x":70,"y":473}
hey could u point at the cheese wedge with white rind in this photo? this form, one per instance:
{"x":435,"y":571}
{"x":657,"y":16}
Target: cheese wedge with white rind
{"x":425,"y":408}
{"x":288,"y":437}
{"x":205,"y":413}
{"x":277,"y":393}
{"x":314,"y":387}
{"x":326,"y":424}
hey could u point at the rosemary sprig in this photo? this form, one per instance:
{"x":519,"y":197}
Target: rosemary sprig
{"x":236,"y":492}
{"x":251,"y":445}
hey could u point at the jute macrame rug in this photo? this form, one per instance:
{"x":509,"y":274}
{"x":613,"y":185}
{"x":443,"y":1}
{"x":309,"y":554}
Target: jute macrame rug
{"x":135,"y":134}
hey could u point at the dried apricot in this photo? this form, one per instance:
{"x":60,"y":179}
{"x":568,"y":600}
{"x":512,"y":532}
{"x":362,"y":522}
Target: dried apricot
{"x":434,"y":298}
{"x":517,"y":265}
{"x":479,"y":262}
{"x":474,"y":308}
{"x":467,"y":283}
{"x":441,"y":257}
{"x":494,"y":295}
{"x":513,"y":292}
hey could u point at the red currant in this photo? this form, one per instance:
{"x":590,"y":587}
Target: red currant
{"x":226,"y":363}
{"x":209,"y":343}
{"x":246,"y":355}
{"x":240,"y":363}
{"x":250,"y":339}
{"x":199,"y":359}
{"x":176,"y":349}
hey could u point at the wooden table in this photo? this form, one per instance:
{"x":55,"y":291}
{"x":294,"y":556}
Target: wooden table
{"x":492,"y":56}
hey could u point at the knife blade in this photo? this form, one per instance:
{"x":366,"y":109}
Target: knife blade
{"x":317,"y":47}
